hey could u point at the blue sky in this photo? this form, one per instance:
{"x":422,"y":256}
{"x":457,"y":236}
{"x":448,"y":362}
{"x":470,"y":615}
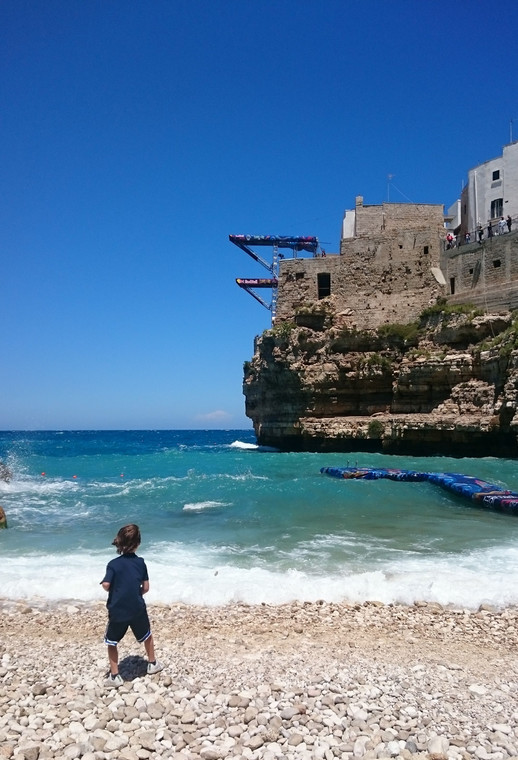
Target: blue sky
{"x":135,"y":136}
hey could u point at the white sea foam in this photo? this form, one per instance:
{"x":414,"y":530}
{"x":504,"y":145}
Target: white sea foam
{"x":242,"y":476}
{"x":205,"y":576}
{"x":227,"y":476}
{"x":199,"y":506}
{"x":43,"y":486}
{"x":251,"y":446}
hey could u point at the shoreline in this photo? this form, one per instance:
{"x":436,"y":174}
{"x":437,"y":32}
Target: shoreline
{"x":300,"y":680}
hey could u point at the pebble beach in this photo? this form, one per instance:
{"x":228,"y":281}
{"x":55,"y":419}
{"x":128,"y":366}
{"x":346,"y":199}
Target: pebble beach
{"x":294,"y":681}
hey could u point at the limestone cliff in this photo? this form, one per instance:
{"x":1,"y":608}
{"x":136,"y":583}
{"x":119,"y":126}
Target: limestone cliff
{"x":447,"y":384}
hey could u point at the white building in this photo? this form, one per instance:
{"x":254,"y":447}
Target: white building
{"x":452,"y":218}
{"x":492,"y":191}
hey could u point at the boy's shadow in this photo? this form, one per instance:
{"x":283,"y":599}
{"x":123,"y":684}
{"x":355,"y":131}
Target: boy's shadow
{"x":132,"y":667}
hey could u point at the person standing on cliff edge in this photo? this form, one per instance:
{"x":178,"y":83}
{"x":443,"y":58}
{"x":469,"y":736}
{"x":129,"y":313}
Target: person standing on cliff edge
{"x":509,"y":222}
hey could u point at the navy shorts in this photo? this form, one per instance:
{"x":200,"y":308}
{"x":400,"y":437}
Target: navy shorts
{"x":115,"y":630}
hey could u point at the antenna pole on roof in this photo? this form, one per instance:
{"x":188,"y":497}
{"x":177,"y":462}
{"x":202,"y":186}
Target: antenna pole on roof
{"x":389,"y":177}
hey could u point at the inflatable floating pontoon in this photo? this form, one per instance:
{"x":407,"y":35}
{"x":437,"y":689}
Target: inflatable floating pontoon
{"x":484,"y":494}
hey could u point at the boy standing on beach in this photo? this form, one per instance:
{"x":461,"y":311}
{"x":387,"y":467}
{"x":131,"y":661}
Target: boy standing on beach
{"x":126,"y":581}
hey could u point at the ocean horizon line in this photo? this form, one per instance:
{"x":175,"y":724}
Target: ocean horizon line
{"x":125,"y":430}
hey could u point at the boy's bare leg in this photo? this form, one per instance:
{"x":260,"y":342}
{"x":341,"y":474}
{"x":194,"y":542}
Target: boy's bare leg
{"x":150,"y":648}
{"x":113,"y":657}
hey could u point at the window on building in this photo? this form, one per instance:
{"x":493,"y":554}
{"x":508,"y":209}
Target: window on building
{"x":497,"y":263}
{"x":426,"y":250}
{"x":496,"y":175}
{"x":324,"y":284}
{"x":299,"y":275}
{"x":497,"y":207}
{"x":452,"y":285}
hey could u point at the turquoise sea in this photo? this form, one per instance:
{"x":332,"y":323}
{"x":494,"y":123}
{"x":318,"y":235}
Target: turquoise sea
{"x":223,"y":520}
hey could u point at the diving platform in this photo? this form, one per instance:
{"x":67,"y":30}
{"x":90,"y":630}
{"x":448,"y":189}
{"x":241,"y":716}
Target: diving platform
{"x":247,"y":243}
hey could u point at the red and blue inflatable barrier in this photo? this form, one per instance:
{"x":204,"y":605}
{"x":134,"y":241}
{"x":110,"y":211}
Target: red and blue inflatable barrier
{"x":483,"y":493}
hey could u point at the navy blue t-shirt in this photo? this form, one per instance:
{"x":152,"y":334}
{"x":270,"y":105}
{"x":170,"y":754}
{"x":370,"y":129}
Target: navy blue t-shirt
{"x":125,"y":574}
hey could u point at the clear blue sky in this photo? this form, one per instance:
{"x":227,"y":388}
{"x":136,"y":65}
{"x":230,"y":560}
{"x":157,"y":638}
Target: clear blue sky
{"x":136,"y":135}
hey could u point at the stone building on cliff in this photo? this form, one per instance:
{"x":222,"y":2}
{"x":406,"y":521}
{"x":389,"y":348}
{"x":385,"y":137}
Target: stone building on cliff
{"x":394,"y":262}
{"x":491,"y":192}
{"x":356,"y":360}
{"x":485,"y":273}
{"x":388,"y":269}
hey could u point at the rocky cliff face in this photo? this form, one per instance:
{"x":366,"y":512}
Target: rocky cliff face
{"x":445,"y":385}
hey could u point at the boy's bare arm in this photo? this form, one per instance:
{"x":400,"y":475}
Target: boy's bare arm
{"x":144,"y":587}
{"x":106,"y":586}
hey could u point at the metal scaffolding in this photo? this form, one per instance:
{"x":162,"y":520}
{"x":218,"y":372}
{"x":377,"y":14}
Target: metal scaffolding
{"x":247,"y":242}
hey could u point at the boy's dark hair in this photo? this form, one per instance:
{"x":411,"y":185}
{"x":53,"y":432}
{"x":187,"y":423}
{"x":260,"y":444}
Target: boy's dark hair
{"x":127,"y":539}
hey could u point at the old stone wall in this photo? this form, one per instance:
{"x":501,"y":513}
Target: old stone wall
{"x":485,"y":275}
{"x":376,"y":280}
{"x":373,"y":220}
{"x":397,"y":265}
